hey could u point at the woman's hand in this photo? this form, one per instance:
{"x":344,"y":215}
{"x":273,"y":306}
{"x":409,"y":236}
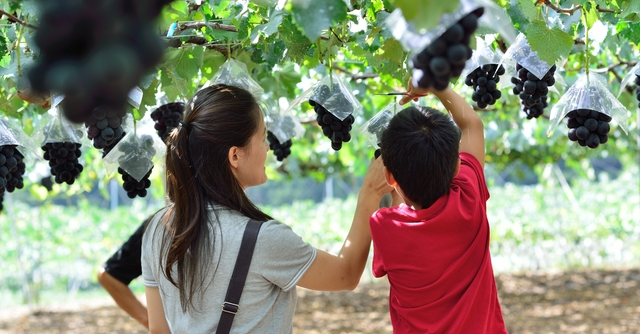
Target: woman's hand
{"x":414,"y":93}
{"x":375,"y":182}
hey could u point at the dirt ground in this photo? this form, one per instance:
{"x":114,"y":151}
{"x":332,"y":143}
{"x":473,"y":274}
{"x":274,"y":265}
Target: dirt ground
{"x":584,"y":301}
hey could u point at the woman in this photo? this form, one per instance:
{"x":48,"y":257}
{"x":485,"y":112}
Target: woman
{"x":190,"y":248}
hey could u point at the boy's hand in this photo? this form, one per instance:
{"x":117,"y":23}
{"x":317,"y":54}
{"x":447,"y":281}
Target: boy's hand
{"x":414,"y":93}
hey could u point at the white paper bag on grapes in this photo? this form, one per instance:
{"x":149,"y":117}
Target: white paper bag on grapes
{"x":631,"y":76}
{"x":25,"y":144}
{"x":374,"y":127}
{"x":234,"y":73}
{"x":137,"y":152}
{"x":588,"y":98}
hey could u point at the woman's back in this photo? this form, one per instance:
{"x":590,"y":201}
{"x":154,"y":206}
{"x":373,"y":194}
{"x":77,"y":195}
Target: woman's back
{"x":269,"y":297}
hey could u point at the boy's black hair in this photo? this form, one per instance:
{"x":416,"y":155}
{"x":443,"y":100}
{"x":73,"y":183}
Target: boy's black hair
{"x":420,"y":149}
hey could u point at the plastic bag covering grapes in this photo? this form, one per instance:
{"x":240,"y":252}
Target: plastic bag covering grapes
{"x":234,"y":73}
{"x":136,"y":152}
{"x":484,"y":55}
{"x":521,"y":53}
{"x":494,"y":18}
{"x":373,"y":128}
{"x":331,"y":93}
{"x":629,"y":78}
{"x":59,"y":129}
{"x":285,"y":127}
{"x":26,"y":145}
{"x":135,"y":97}
{"x":589,"y":92}
{"x":7,"y":137}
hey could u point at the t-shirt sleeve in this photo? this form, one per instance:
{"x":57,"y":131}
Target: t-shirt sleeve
{"x":282,"y":255}
{"x":468,"y":161}
{"x":124,"y":265}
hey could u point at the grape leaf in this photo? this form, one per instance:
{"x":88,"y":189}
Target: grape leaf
{"x":392,"y":50}
{"x":631,"y":10}
{"x":287,"y":78}
{"x":187,"y":62}
{"x":172,"y":84}
{"x":275,"y":53}
{"x":591,"y":14}
{"x":551,"y":44}
{"x":529,"y":9}
{"x":517,"y":17}
{"x":425,"y":14}
{"x":3,"y":45}
{"x":243,"y":28}
{"x":149,"y":94}
{"x":297,"y":43}
{"x":315,"y":16}
{"x":268,"y":28}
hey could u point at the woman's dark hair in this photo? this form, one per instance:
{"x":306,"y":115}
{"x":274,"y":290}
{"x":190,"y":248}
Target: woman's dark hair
{"x":199,"y":176}
{"x":420,"y":149}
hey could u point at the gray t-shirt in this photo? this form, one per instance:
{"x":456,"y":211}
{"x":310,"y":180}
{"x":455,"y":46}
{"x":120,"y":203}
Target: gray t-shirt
{"x":268,"y":300}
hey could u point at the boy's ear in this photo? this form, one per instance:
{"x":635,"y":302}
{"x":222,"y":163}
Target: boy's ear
{"x":391,"y":181}
{"x":457,"y":168}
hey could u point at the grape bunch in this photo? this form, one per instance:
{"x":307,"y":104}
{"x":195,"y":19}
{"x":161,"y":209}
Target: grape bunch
{"x":484,"y":81}
{"x":167,"y":117}
{"x":532,"y":90}
{"x":281,"y":151}
{"x":637,"y":81}
{"x":95,"y":52}
{"x":9,"y":160}
{"x":588,"y":127}
{"x":15,"y":177}
{"x":104,"y":126}
{"x":446,"y":56}
{"x":132,"y":186}
{"x":337,"y":130}
{"x":63,"y":160}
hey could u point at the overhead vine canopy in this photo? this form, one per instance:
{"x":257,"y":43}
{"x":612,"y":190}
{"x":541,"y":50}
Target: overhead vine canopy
{"x":288,"y":45}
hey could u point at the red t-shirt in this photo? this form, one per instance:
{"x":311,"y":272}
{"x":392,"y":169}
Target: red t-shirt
{"x":437,"y":260}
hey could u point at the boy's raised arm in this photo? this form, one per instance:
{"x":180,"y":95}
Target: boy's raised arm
{"x":466,"y":118}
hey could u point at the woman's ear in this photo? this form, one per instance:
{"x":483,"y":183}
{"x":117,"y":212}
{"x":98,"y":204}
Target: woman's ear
{"x":391,"y":181}
{"x":233,"y":157}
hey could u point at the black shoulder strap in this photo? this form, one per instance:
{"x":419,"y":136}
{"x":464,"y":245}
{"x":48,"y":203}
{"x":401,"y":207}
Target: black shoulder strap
{"x":230,"y":306}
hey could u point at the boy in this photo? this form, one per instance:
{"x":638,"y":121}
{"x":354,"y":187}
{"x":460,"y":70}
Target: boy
{"x":434,"y":247}
{"x":123,"y":267}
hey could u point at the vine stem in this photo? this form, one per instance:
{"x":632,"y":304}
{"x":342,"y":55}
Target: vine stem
{"x":586,"y":41}
{"x":18,"y":41}
{"x":570,"y":11}
{"x":13,"y":18}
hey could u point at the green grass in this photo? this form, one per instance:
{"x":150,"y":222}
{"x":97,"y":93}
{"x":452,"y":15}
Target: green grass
{"x":59,"y":249}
